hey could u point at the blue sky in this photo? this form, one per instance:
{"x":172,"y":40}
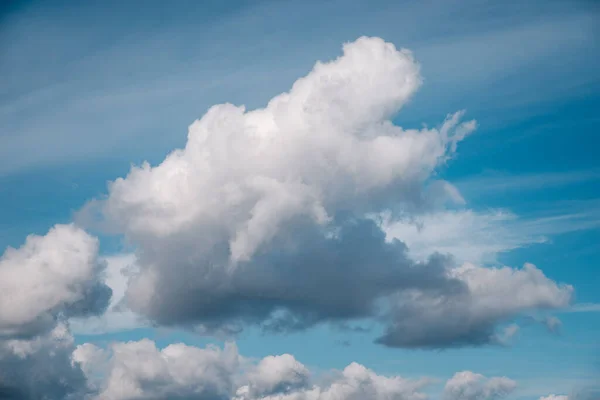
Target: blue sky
{"x":91,"y":89}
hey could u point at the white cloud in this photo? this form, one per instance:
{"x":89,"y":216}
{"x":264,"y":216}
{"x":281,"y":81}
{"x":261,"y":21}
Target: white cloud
{"x":505,"y":287}
{"x":139,"y":370}
{"x":275,"y":374}
{"x":355,"y":382}
{"x":263,"y":217}
{"x":48,"y":277}
{"x":246,"y":178}
{"x":327,"y":142}
{"x":42,"y":283}
{"x":93,"y":362}
{"x":256,"y":207}
{"x":467,"y":385}
{"x":555,"y":397}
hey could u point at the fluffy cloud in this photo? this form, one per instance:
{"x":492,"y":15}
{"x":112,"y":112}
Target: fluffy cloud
{"x":555,"y":397}
{"x":49,"y":276}
{"x":327,"y":145}
{"x":47,"y":280}
{"x":265,"y":217}
{"x":291,"y":285}
{"x":275,"y":375}
{"x":467,"y":385}
{"x":138,"y":370}
{"x":355,"y":382}
{"x":494,"y":295}
{"x":141,"y":371}
{"x":248,"y":173}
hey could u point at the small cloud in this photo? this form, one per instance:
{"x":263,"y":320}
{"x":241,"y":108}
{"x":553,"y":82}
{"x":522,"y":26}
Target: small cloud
{"x":583,"y":307}
{"x":552,"y":323}
{"x":467,"y":385}
{"x":505,"y":338}
{"x":555,"y":397}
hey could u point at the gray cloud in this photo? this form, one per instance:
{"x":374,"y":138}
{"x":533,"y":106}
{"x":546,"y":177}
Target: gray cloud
{"x":318,"y":279}
{"x":41,"y":368}
{"x":471,"y":317}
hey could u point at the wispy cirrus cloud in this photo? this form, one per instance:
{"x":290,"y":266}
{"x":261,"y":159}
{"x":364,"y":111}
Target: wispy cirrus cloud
{"x":492,"y":182}
{"x":583,"y":307}
{"x":481,"y":236}
{"x":93,"y":97}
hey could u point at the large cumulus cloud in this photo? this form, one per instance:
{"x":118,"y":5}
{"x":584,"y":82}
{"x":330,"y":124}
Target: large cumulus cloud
{"x":265,"y":216}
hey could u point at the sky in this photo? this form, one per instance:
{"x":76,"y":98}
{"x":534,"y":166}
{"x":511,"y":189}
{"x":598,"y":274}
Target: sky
{"x":285,"y":200}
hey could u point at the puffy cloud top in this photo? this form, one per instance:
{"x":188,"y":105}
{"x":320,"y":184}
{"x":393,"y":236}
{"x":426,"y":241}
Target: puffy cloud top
{"x":325,"y":144}
{"x":467,"y":385}
{"x":275,"y":374}
{"x":138,"y":370}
